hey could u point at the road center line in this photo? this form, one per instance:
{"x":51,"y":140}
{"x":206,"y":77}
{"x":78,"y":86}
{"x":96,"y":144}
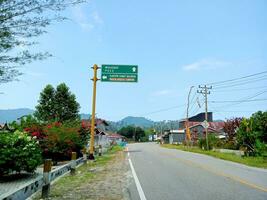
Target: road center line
{"x":216,"y":172}
{"x":138,"y":185}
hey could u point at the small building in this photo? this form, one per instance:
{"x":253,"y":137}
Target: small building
{"x":6,"y":129}
{"x":198,"y":131}
{"x":176,"y":136}
{"x":115,"y":138}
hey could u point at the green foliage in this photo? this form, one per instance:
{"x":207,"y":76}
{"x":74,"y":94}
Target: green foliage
{"x":250,"y":161}
{"x":25,"y":122}
{"x":131,"y":132}
{"x":18,"y":152}
{"x":231,"y":145}
{"x":57,"y":105}
{"x":212,"y":142}
{"x":61,"y":140}
{"x":20,"y":22}
{"x":252,"y":134}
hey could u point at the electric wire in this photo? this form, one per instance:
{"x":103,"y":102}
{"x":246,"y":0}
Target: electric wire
{"x":235,"y":79}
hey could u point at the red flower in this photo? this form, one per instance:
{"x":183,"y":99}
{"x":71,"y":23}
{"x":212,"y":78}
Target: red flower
{"x":58,"y":124}
{"x":37,"y":134}
{"x":27,"y":129}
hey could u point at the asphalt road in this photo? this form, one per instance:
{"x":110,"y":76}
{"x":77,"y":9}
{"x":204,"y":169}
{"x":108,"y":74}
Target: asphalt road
{"x":169,"y":174}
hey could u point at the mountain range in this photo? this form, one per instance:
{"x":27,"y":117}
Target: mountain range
{"x":13,"y":115}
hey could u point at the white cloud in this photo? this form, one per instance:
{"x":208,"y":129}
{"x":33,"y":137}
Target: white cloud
{"x":206,"y":64}
{"x":86,"y":20}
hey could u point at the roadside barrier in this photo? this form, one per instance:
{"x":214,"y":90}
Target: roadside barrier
{"x":44,"y":182}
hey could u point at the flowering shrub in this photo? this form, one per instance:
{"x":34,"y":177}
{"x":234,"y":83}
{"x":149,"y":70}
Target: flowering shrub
{"x":61,"y":140}
{"x":57,"y":140}
{"x":18,"y":152}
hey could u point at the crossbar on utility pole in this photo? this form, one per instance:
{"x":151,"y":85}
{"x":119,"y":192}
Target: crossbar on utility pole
{"x":92,"y":138}
{"x":205,"y":92}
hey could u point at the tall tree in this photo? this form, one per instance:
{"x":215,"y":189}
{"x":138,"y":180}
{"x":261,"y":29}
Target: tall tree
{"x":66,"y":107}
{"x":21,"y":21}
{"x":132,"y":132}
{"x":45,"y":110}
{"x":57,"y":105}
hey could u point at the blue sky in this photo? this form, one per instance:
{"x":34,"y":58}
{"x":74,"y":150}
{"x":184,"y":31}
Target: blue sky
{"x":176,"y":44}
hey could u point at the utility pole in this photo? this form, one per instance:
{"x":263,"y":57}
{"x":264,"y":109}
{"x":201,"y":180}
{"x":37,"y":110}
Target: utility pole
{"x":204,"y":90}
{"x":92,"y":139}
{"x":188,"y":135}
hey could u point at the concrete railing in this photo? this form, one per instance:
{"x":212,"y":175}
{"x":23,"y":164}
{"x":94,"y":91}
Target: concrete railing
{"x":43,"y":182}
{"x":236,"y":152}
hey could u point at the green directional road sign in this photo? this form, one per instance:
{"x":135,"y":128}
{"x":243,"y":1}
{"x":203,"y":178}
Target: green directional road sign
{"x":119,"y":73}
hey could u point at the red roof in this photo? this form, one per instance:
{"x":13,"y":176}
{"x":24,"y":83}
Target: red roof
{"x":115,"y":136}
{"x":87,"y":122}
{"x":217,"y":126}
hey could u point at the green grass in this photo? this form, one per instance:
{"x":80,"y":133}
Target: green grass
{"x":83,"y":174}
{"x":250,"y":161}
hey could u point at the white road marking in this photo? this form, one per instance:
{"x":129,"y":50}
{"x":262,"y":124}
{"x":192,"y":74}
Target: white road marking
{"x":138,"y":185}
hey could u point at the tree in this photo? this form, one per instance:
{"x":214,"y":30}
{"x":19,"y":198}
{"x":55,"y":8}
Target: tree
{"x":45,"y":110}
{"x":20,"y":22}
{"x":230,"y":127}
{"x":130,"y":132}
{"x":57,"y":105}
{"x":252,"y":133}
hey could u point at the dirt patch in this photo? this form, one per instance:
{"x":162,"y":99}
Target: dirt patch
{"x":96,"y":181}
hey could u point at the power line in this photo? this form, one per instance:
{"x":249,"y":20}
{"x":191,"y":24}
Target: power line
{"x":230,"y":80}
{"x":238,"y":101}
{"x":242,"y":99}
{"x":241,"y":89}
{"x":241,"y":83}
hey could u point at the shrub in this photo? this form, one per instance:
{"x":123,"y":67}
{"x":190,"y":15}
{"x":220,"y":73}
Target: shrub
{"x":252,"y":134}
{"x":231,"y":145}
{"x":61,"y":140}
{"x":18,"y":152}
{"x":212,"y":141}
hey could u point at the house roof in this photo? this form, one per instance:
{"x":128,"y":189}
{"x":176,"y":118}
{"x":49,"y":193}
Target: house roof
{"x":177,"y":131}
{"x":87,"y":122}
{"x":115,"y":136}
{"x":214,"y":126}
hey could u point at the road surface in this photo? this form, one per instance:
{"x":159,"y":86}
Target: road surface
{"x":170,"y":174}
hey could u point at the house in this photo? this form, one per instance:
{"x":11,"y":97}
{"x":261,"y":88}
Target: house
{"x":6,"y":129}
{"x":115,"y":138}
{"x":101,"y":137}
{"x":100,"y":124}
{"x":196,"y":129}
{"x":197,"y":118}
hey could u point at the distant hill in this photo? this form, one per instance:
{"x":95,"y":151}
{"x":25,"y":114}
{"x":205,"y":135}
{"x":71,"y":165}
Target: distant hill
{"x":13,"y":114}
{"x":136,"y":121}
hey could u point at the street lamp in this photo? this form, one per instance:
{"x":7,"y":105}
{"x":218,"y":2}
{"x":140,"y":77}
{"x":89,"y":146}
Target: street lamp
{"x":188,"y":136}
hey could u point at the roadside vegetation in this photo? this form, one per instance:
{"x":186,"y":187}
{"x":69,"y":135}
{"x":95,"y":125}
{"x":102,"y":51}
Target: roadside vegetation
{"x":246,"y":134}
{"x":85,"y":174}
{"x":54,"y":131}
{"x":247,"y":160}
